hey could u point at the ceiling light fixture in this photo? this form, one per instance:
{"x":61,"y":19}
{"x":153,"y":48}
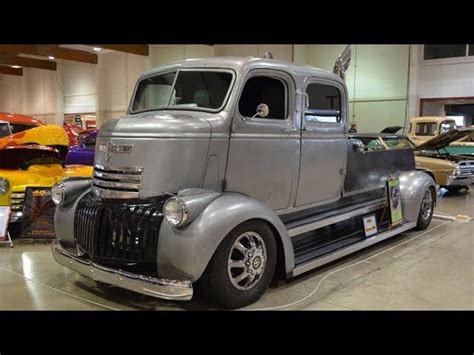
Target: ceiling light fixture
{"x":51,"y":57}
{"x":16,"y":67}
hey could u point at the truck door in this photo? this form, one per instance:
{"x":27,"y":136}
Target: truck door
{"x":264,"y":151}
{"x":323,"y":142}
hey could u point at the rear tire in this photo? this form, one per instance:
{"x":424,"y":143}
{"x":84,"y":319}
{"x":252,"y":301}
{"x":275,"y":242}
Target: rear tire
{"x":242,"y":266}
{"x":426,"y":210}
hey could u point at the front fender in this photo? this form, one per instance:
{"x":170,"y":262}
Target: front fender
{"x":183,"y":253}
{"x":413,"y":185}
{"x":64,"y":214}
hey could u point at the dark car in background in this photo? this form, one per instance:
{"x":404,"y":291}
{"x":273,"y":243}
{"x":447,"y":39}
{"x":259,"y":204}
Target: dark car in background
{"x":83,"y":153}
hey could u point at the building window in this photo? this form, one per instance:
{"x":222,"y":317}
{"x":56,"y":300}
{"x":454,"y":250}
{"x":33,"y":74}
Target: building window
{"x":471,"y":49}
{"x":440,"y":51}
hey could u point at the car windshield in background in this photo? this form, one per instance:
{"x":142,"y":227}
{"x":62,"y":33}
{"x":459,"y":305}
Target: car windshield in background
{"x":446,"y":126}
{"x":189,"y":89}
{"x":5,"y":130}
{"x":398,"y":143}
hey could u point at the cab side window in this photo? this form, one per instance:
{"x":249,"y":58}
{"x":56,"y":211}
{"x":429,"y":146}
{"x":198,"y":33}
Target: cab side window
{"x":264,"y":90}
{"x":324,"y":103}
{"x":425,"y":129}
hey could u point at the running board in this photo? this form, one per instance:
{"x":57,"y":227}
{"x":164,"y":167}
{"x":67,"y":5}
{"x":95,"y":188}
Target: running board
{"x":322,"y":222}
{"x":351,"y":249}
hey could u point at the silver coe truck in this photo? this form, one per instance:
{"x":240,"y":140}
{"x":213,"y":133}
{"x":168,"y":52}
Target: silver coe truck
{"x":226,"y":173}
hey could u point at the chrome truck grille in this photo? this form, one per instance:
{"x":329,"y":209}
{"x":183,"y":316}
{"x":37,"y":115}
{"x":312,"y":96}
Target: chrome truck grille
{"x":17,"y":202}
{"x":467,"y":168}
{"x":111,"y":182}
{"x":124,"y":234}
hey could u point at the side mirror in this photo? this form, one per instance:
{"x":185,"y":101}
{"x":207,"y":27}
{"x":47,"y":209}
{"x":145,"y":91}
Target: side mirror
{"x":262,"y":111}
{"x":358,"y":147}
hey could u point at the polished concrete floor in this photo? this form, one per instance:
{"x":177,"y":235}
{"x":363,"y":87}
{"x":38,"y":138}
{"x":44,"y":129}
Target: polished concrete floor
{"x":433,"y":269}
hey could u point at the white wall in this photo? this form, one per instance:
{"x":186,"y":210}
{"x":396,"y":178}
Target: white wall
{"x":279,"y":51}
{"x":35,"y":93}
{"x":440,"y":78}
{"x":377,"y":81}
{"x":78,"y":86}
{"x":161,"y":54}
{"x":117,"y":73}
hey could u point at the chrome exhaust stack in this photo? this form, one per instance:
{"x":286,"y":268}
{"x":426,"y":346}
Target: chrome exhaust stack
{"x":342,"y":63}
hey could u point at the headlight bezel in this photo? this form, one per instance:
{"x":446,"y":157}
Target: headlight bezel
{"x":58,"y":190}
{"x":457,"y":170}
{"x":181,"y":207}
{"x":6,"y":186}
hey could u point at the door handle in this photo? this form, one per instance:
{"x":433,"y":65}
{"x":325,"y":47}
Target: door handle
{"x":291,"y":130}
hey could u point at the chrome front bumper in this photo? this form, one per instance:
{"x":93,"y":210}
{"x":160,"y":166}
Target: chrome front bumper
{"x":460,"y":181}
{"x":147,"y":285}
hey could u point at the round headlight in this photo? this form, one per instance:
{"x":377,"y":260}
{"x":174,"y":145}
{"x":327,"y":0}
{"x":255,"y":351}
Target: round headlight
{"x":175,"y":211}
{"x":58,"y":193}
{"x":457,"y":170}
{"x":4,"y":186}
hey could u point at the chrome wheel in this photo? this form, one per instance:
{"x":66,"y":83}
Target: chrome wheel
{"x":247,"y":260}
{"x":427,"y":205}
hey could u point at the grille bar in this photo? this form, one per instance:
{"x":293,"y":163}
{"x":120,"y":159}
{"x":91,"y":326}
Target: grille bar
{"x":466,"y":168}
{"x":118,"y":234}
{"x":17,"y":201}
{"x":113,"y":182}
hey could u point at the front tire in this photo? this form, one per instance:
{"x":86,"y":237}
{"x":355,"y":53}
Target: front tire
{"x":242,"y":266}
{"x":426,"y":210}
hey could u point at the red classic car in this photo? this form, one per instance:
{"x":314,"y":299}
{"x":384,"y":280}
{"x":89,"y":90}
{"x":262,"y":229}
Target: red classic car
{"x":19,"y":123}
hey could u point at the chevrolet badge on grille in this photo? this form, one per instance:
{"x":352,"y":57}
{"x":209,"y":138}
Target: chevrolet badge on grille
{"x":110,"y":148}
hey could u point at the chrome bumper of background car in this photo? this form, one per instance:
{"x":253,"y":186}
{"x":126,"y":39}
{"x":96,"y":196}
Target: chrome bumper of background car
{"x":147,"y":285}
{"x":460,"y":181}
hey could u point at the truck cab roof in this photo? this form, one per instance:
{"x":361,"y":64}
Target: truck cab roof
{"x":244,"y":64}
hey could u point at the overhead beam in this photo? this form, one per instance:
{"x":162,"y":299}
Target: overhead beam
{"x":11,"y":59}
{"x":11,"y":71}
{"x":140,"y":49}
{"x":50,"y":50}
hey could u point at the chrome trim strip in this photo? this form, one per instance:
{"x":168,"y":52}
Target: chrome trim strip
{"x":293,"y":232}
{"x":147,"y":285}
{"x":351,"y":249}
{"x":368,"y":189}
{"x":114,"y":194}
{"x":19,"y":195}
{"x":117,"y":185}
{"x":100,"y":174}
{"x":308,"y":206}
{"x":110,"y":169}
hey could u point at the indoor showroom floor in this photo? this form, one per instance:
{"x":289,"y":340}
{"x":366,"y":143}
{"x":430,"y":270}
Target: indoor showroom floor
{"x":432,"y":269}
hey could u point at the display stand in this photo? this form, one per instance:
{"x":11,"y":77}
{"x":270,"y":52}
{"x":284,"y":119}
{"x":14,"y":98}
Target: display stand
{"x":5,"y":238}
{"x":8,"y":240}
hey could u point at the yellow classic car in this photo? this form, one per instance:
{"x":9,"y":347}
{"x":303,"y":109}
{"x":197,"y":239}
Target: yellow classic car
{"x":422,"y":129}
{"x":33,"y":158}
{"x":453,"y":172}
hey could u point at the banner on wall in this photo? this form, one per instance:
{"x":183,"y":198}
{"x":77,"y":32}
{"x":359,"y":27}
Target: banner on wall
{"x":38,"y":214}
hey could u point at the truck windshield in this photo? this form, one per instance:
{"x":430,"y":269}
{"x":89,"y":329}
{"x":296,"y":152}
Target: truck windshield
{"x":184,"y":89}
